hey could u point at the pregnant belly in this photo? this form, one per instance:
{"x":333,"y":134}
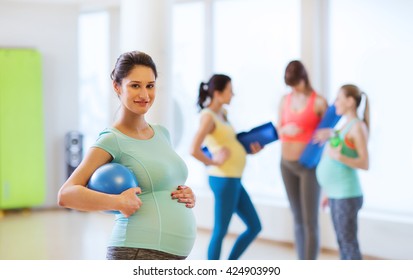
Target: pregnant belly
{"x":171,"y":222}
{"x":161,"y":224}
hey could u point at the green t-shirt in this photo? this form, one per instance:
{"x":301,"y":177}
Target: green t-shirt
{"x":161,"y":223}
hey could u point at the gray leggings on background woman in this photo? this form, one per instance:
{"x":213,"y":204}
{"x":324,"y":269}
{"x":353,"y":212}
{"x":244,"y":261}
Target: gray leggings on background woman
{"x":344,"y":215}
{"x":303,"y":193}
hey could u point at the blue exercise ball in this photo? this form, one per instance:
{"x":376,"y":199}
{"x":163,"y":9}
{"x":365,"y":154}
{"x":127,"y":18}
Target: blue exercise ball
{"x":112,"y":178}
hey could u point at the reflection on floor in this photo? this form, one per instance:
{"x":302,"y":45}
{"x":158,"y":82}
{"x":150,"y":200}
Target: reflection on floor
{"x":71,"y":235}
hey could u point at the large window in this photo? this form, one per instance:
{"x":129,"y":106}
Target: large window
{"x":219,"y":36}
{"x":371,"y":45}
{"x":253,"y":42}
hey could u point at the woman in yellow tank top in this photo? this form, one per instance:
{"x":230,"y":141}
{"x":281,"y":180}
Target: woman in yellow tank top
{"x":225,"y":167}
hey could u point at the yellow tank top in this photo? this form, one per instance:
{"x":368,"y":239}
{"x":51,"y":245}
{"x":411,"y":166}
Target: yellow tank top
{"x":224,"y":136}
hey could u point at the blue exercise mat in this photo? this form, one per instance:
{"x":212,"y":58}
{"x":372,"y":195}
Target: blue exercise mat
{"x":312,"y":153}
{"x":263,"y":134}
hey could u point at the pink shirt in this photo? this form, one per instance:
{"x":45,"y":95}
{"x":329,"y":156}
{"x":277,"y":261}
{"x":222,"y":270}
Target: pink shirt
{"x":306,"y":119}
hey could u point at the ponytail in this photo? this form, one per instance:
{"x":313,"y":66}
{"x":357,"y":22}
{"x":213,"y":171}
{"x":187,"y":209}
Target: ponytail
{"x":203,"y":95}
{"x":354,"y":92}
{"x":366,"y":115}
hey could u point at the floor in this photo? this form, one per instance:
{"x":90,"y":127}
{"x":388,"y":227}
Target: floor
{"x":71,"y":235}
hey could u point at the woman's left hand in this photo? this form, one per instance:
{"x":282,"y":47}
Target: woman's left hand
{"x":321,"y":135}
{"x":255,"y":147}
{"x":335,"y":153}
{"x":184,"y":194}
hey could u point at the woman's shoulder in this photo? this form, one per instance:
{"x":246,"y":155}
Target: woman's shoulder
{"x":320,"y":103}
{"x":108,"y":140}
{"x":159,"y":127}
{"x":283,"y":98}
{"x":359,"y":128}
{"x":319,"y":98}
{"x":206,"y":111}
{"x":207,"y":114}
{"x":108,"y":133}
{"x":358,"y":131}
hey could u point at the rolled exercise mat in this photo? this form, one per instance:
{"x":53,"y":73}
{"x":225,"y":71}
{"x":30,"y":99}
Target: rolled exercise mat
{"x":312,"y":152}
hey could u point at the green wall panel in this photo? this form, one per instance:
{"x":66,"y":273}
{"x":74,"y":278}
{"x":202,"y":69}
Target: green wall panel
{"x":22,"y":152}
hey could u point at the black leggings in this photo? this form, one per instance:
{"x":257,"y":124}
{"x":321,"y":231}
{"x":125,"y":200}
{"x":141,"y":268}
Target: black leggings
{"x":128,"y":253}
{"x":303,"y":193}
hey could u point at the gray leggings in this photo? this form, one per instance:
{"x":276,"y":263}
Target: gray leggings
{"x":303,"y":193}
{"x":128,"y":253}
{"x":344,"y":215}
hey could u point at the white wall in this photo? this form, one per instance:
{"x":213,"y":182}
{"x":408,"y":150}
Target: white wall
{"x":52,"y":30}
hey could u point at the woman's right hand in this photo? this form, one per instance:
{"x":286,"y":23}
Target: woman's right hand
{"x":324,"y":203}
{"x":221,"y":156}
{"x":129,"y":201}
{"x":255,"y":147}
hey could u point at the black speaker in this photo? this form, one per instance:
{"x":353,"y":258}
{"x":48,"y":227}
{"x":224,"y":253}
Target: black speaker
{"x":74,"y":150}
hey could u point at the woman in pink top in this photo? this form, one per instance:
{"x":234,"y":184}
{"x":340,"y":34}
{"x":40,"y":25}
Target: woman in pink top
{"x":299,"y":114}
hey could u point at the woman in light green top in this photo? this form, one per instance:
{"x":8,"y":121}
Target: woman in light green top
{"x":337,"y":170}
{"x":152,"y":224}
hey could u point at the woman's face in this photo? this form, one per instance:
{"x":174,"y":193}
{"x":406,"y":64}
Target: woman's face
{"x":300,"y":87}
{"x":343,"y":103}
{"x":137,"y":90}
{"x":226,"y":95}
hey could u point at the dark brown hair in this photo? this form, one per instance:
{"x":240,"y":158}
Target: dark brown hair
{"x":206,"y":90}
{"x":127,"y":61}
{"x":295,"y":72}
